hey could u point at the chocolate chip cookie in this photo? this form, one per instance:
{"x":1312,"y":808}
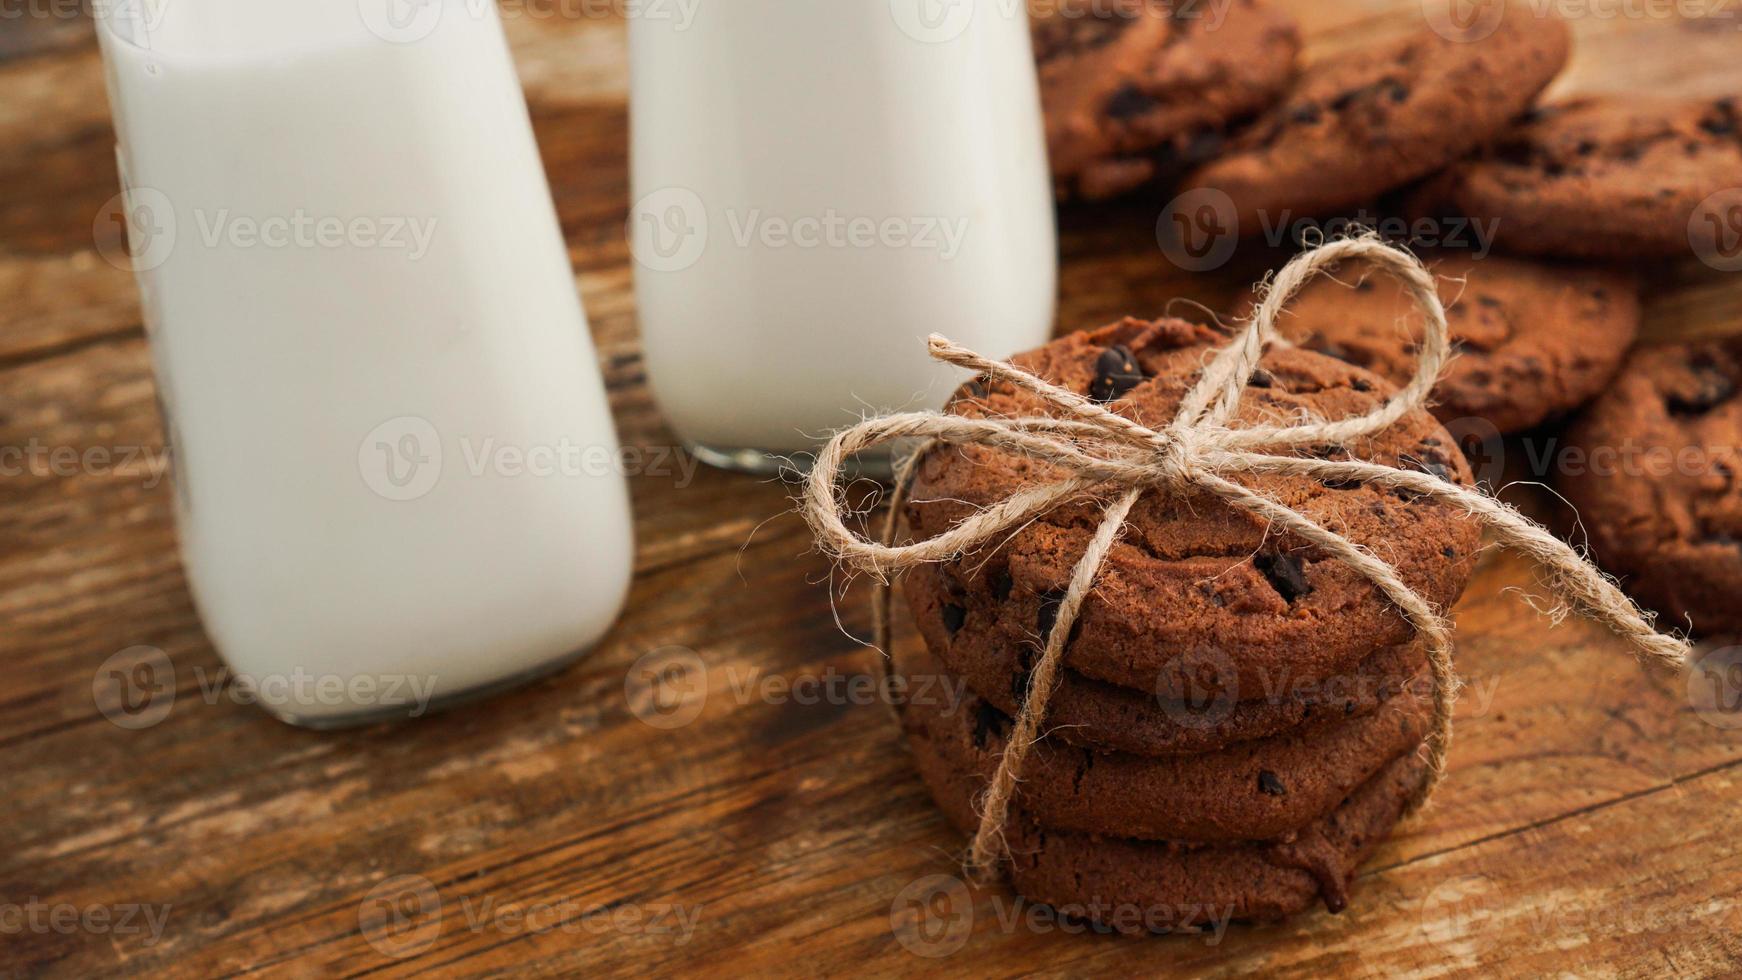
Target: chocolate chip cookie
{"x":1193,"y":579}
{"x":1097,"y":715}
{"x":1603,"y":177}
{"x":1362,"y":122}
{"x":1533,"y":340}
{"x":1658,"y":482}
{"x":1251,"y":791}
{"x":1138,"y":886}
{"x":1137,"y":90}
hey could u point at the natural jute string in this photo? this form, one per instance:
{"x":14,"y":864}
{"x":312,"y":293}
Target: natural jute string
{"x":1112,"y":457}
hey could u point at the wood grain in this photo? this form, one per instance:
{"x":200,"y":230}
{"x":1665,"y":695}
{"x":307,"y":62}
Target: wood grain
{"x":1587,"y":827}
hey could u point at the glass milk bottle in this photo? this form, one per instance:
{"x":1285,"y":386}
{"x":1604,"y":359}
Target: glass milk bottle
{"x":396,"y":468}
{"x":818,"y":186}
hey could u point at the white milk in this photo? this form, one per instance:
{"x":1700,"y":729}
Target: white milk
{"x":819,"y":185}
{"x":396,"y":464}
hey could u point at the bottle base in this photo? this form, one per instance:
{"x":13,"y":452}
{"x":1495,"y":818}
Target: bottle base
{"x":403,"y":712}
{"x":760,"y":462}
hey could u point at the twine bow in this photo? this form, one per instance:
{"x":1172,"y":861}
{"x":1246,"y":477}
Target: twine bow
{"x":1106,"y":454}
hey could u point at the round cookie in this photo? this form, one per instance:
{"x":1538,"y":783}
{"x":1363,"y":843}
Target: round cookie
{"x":1191,"y":578}
{"x":1138,"y":886}
{"x":1534,"y":340}
{"x":1659,"y":486}
{"x":1603,"y":177}
{"x":1253,"y":791}
{"x":1097,"y":715}
{"x":1136,"y":90}
{"x":1363,"y":122}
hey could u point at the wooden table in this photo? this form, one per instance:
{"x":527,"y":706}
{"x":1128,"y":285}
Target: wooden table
{"x":1589,"y":824}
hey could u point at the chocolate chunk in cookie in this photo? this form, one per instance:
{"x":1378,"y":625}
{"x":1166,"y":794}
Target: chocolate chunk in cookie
{"x":1533,"y":340}
{"x":1362,"y":122}
{"x":1657,"y":481}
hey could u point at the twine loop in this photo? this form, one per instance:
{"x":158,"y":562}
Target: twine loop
{"x":1110,"y":457}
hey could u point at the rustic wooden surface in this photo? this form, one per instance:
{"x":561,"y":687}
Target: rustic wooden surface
{"x":1588,"y":826}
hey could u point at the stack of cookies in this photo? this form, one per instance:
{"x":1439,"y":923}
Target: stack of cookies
{"x":1240,"y":717}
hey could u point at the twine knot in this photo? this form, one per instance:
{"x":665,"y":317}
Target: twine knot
{"x":1105,"y":454}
